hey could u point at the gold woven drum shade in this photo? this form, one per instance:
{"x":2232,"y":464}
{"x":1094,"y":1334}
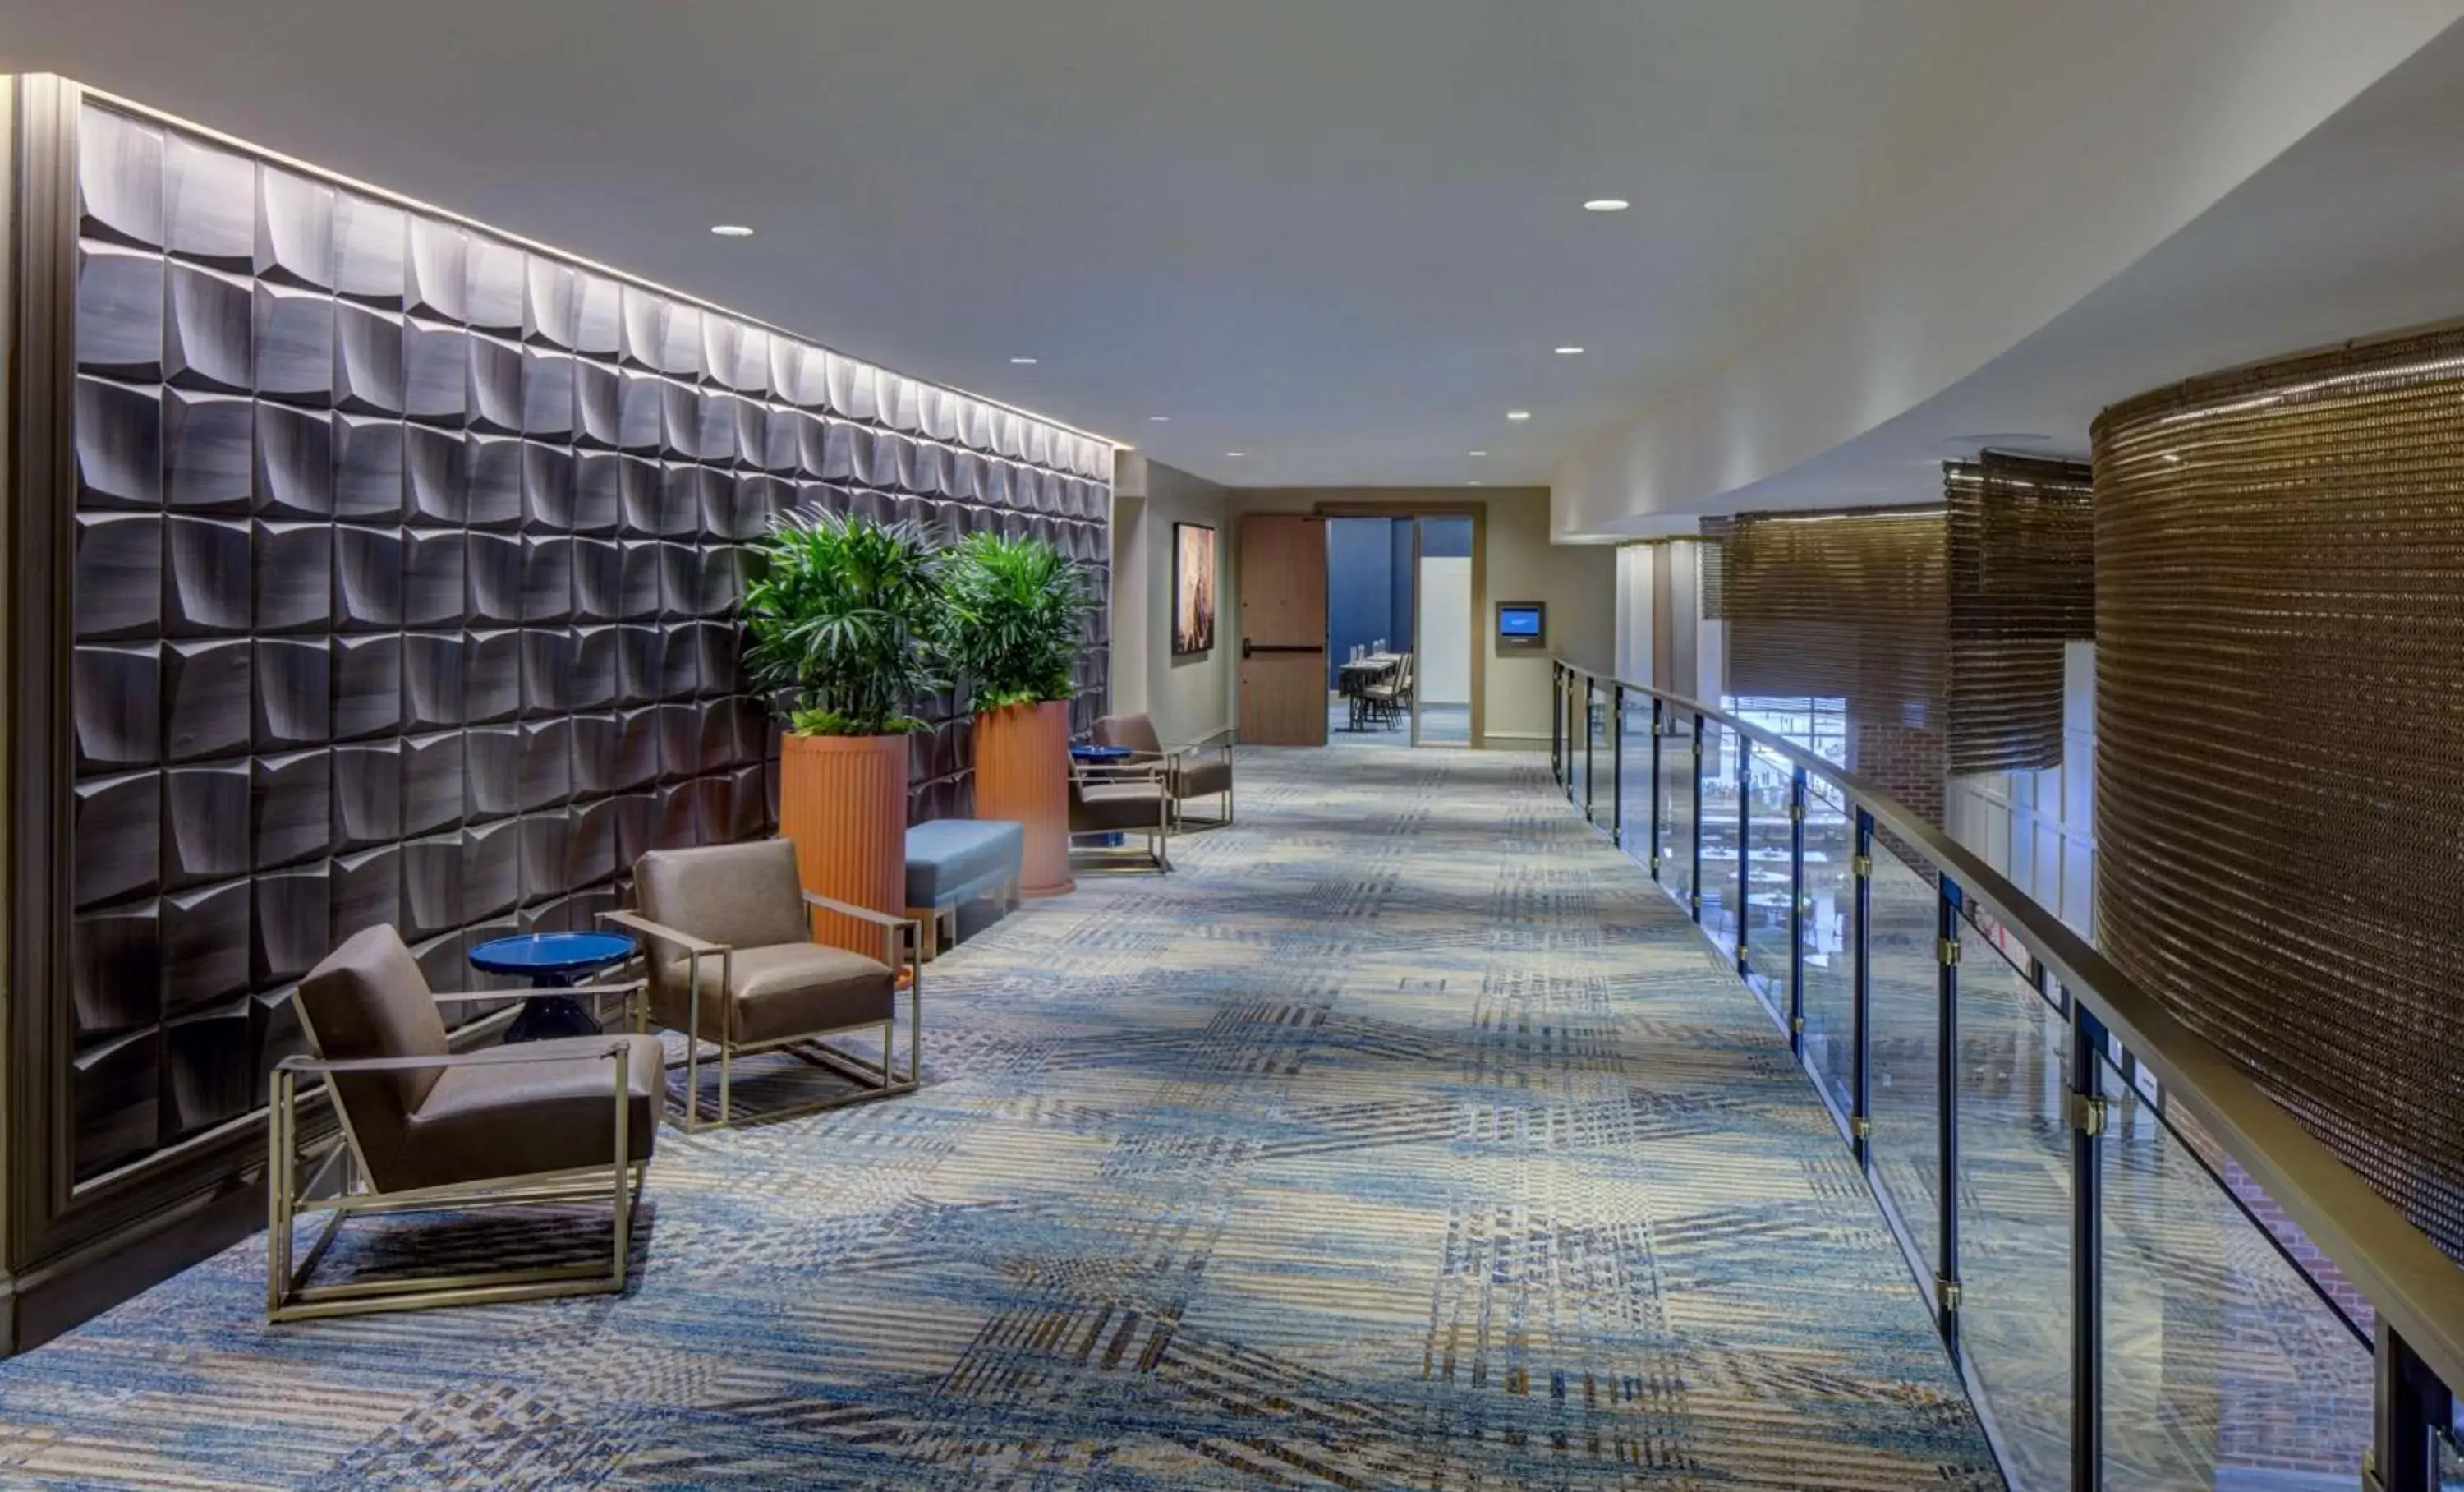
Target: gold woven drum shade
{"x":2279,"y":559}
{"x":2022,"y":584}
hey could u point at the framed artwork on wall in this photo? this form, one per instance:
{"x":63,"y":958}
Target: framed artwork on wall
{"x":1192,"y":589}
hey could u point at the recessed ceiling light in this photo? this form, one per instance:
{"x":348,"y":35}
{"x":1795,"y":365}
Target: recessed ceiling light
{"x":1160,"y":419}
{"x":1518,"y":415}
{"x":1475,"y":453}
{"x":1236,"y":454}
{"x":1607,"y":205}
{"x":1569,"y":352}
{"x":732,"y":231}
{"x":1023,"y":361}
{"x":1471,"y":484}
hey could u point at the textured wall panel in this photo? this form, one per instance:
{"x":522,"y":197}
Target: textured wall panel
{"x":2279,"y":748}
{"x":405,"y":570}
{"x":2022,"y":585}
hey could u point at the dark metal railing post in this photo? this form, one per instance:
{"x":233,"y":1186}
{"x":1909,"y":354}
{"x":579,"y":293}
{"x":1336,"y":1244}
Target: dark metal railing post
{"x":2412,"y":1405}
{"x":1861,"y":1125}
{"x":1657,"y":712}
{"x":1796,"y":909}
{"x":1745,"y":840}
{"x":1694,"y":891}
{"x":1617,"y":765}
{"x":1557,"y":723}
{"x":1947,"y":1082}
{"x":2087,"y":1249}
{"x":1588,"y":690}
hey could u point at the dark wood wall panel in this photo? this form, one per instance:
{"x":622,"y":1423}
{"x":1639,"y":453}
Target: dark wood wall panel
{"x":405,"y":575}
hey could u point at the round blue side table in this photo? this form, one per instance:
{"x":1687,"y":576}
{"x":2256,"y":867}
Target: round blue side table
{"x":1096,"y":754}
{"x":551,"y":961}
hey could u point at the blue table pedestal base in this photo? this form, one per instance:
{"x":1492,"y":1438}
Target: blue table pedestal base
{"x":546,"y":1016}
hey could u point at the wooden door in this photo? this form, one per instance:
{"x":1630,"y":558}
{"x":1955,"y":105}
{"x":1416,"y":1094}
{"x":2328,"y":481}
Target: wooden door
{"x":1283,"y":630}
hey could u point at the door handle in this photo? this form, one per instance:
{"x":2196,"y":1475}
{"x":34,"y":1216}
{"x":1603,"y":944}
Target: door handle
{"x":1250,"y":647}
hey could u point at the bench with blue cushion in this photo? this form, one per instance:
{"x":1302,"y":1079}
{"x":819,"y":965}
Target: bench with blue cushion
{"x":951,"y":861}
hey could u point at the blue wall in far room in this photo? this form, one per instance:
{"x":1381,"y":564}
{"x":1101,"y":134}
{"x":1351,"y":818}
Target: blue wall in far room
{"x":1361,"y":586}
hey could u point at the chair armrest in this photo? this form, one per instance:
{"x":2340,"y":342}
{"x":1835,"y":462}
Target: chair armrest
{"x":469,"y":996}
{"x":1212,"y":741}
{"x":860,"y":913}
{"x":1155,"y":770}
{"x":660,"y":932}
{"x":486,"y":1056}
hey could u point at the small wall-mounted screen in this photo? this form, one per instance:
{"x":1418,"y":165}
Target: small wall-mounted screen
{"x":1518,"y":621}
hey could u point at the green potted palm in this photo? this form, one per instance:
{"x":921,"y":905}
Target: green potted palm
{"x":841,"y":618}
{"x":1016,"y":611}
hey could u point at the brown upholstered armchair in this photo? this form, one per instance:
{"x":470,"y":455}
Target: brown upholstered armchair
{"x":1121,"y":799}
{"x":427,"y":1128}
{"x":732,"y":961}
{"x":1201,"y":769}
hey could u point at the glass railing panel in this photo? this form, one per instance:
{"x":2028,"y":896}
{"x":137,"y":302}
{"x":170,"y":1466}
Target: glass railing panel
{"x":1719,"y":887}
{"x":2015,"y":1219}
{"x":1769,"y":892}
{"x":1830,"y":909}
{"x":1599,"y":759}
{"x":2222,"y":1367}
{"x":1634,"y":762}
{"x":1677,"y":806}
{"x":2451,"y":1456}
{"x":1903,"y":1041}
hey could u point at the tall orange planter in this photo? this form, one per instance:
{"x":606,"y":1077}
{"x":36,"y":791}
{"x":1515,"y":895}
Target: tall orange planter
{"x":843,"y":800}
{"x":1023,"y":772}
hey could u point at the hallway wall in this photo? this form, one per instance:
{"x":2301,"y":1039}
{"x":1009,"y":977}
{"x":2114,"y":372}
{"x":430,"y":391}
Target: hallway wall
{"x":1190,"y":695}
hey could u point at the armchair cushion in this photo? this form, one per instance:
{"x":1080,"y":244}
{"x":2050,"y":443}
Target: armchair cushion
{"x":1202,"y":779}
{"x":368,"y":999}
{"x":1102,"y":808}
{"x":519,"y":1119}
{"x":786,"y":990}
{"x":746,"y":896}
{"x":1137,"y":732}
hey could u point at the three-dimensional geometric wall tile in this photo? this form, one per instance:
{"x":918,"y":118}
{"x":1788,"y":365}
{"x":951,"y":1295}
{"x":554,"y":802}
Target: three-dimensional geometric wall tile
{"x":367,"y":577}
{"x":716,"y":440}
{"x":207,"y":698}
{"x":496,"y":393}
{"x":204,"y":824}
{"x":637,"y":749}
{"x":636,"y":828}
{"x":548,"y":488}
{"x":679,"y":580}
{"x":294,"y":692}
{"x":273,"y":1026}
{"x":494,"y":300}
{"x":748,"y":808}
{"x":638,"y":412}
{"x":210,"y":204}
{"x":291,"y":809}
{"x":492,"y":772}
{"x":119,"y":179}
{"x":848,"y":388}
{"x":547,"y":579}
{"x":641,"y":662}
{"x":598,"y":580}
{"x":590,"y":847}
{"x":435,"y":376}
{"x":546,"y":671}
{"x":644,"y":327}
{"x":590,"y":685}
{"x":209,"y":340}
{"x":204,"y":945}
{"x":491,"y":869}
{"x":673,"y":825}
{"x":368,"y":370}
{"x":640,"y":599}
{"x":367,"y":794}
{"x":118,"y":578}
{"x":367,"y":469}
{"x":439,"y":485}
{"x":294,"y":568}
{"x":431,"y":679}
{"x":716,"y":650}
{"x":115,"y":1090}
{"x":432,"y":885}
{"x":295,"y":914}
{"x":432,"y":790}
{"x":209,"y":452}
{"x":119,"y":445}
{"x":368,"y":250}
{"x":116,"y":824}
{"x":294,"y":462}
{"x":116,"y":699}
{"x":439,"y":260}
{"x":492,"y":675}
{"x":720,"y":584}
{"x":116,"y":968}
{"x":440,"y":961}
{"x":368,"y":686}
{"x":680,"y":742}
{"x":685,"y":494}
{"x":495,"y":569}
{"x":679,"y":421}
{"x":551,"y":302}
{"x":598,"y":329}
{"x":120,"y":312}
{"x":208,"y":1061}
{"x":547,"y":764}
{"x":598,"y":419}
{"x":432,"y":582}
{"x":495,"y":475}
{"x":709,"y":808}
{"x":295,"y":230}
{"x":598,"y":499}
{"x":367,"y":890}
{"x":680,"y":676}
{"x":545,"y":845}
{"x":682,"y":356}
{"x":295,"y":344}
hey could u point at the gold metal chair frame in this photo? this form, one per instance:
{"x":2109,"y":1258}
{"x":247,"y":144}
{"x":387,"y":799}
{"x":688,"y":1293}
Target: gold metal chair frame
{"x":288,"y":1293}
{"x":1106,"y":860}
{"x":1176,"y":759}
{"x":872,"y":1080}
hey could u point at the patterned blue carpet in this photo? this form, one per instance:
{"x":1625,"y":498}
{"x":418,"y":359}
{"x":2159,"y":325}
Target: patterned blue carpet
{"x":1406,"y":1137}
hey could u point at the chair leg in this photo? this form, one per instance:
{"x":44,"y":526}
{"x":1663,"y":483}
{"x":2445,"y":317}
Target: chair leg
{"x":726,"y":1075}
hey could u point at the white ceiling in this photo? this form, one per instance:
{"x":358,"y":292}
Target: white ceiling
{"x":1340,"y":235}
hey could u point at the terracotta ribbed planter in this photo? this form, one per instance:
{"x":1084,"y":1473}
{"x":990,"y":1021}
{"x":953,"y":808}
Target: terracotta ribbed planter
{"x":1023,"y":772}
{"x":843,"y":800}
